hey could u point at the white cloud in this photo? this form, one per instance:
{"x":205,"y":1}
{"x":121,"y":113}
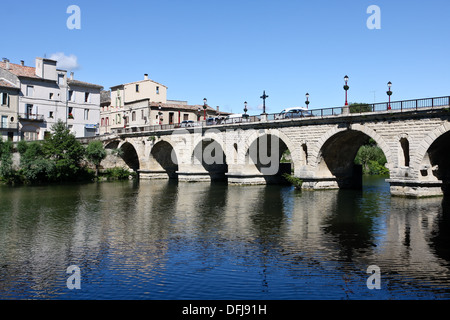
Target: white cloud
{"x":64,"y":62}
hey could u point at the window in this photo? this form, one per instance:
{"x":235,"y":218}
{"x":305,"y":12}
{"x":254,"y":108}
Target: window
{"x":157,"y":90}
{"x":71,"y":96}
{"x":30,"y":91}
{"x":185,"y":116}
{"x":86,"y":114}
{"x":4,"y":123}
{"x":137,"y":88}
{"x":29,"y":110}
{"x":50,"y":95}
{"x":142,"y":114}
{"x":4,"y":99}
{"x":30,"y":135}
{"x":133,"y":116}
{"x":70,"y":113}
{"x":118,"y":119}
{"x":102,"y":123}
{"x":50,"y":114}
{"x":60,"y":79}
{"x":87,"y":97}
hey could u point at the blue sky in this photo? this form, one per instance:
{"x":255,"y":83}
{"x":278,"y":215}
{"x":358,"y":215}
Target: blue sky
{"x":230,"y":51}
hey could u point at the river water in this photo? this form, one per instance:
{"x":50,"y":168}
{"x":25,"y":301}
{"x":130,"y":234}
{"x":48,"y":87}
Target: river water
{"x":169,"y":240}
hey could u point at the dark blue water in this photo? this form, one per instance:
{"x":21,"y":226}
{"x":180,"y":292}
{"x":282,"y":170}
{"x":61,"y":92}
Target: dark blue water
{"x":162,"y":240}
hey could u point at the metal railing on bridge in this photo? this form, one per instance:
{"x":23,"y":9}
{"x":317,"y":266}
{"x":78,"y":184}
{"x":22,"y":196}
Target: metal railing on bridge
{"x":384,"y":107}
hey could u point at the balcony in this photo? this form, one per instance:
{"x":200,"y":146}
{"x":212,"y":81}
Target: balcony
{"x":31,"y":117}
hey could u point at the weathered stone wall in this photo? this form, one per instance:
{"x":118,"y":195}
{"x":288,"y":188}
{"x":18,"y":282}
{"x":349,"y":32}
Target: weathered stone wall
{"x":322,"y":150}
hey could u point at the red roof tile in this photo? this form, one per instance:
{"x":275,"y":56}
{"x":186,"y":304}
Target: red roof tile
{"x":19,"y":70}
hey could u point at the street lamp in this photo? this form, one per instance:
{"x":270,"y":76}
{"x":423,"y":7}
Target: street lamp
{"x":346,"y":87}
{"x":389,"y":93}
{"x":160,"y":114}
{"x":204,"y":108}
{"x":245,"y":109}
{"x":199,"y":110}
{"x":307,"y":100}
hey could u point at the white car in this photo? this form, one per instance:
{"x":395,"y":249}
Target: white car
{"x":290,"y":113}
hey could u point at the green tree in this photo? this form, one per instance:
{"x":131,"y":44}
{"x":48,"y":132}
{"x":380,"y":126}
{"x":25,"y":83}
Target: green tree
{"x":360,"y":107}
{"x":372,"y":159}
{"x":36,"y":167}
{"x":65,"y":151}
{"x":95,"y":153}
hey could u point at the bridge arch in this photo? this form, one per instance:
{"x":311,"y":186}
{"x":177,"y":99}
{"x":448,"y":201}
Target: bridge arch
{"x":209,"y":153}
{"x":129,"y":155}
{"x":163,"y":158}
{"x":336,"y":152}
{"x":264,"y":150}
{"x":433,"y":157}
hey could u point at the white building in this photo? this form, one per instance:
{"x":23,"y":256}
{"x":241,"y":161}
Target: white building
{"x":46,"y":94}
{"x":144,"y":103}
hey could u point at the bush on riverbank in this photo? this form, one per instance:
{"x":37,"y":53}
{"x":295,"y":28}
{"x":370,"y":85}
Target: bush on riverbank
{"x":117,"y":173}
{"x":59,"y":158}
{"x":296,"y":182}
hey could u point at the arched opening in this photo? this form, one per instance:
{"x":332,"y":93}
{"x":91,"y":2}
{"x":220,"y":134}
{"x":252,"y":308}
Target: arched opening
{"x":438,"y":158}
{"x":112,"y":145}
{"x":271,"y":157}
{"x":129,"y":155}
{"x":404,"y":144}
{"x":346,"y":155}
{"x":210,"y":155}
{"x":163,"y":158}
{"x":304,"y":154}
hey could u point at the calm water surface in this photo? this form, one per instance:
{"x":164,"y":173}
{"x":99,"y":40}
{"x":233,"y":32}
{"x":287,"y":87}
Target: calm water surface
{"x":165,"y":240}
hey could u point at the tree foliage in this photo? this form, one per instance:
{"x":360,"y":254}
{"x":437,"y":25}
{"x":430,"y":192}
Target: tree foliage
{"x":372,"y":159}
{"x":95,"y":152}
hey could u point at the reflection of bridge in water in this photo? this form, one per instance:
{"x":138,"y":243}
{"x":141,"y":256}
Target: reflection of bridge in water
{"x":141,"y":226}
{"x":413,"y":135}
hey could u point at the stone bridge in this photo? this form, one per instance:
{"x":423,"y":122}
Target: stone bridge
{"x":323,"y":144}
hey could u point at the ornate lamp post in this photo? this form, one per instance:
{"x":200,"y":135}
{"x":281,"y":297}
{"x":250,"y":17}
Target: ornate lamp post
{"x":389,"y":93}
{"x":264,"y":97}
{"x":245,"y":109}
{"x":199,"y":114}
{"x":160,"y":115}
{"x":346,"y":87}
{"x":307,"y":100}
{"x":204,"y":109}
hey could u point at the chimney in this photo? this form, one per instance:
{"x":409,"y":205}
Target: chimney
{"x":146,"y":76}
{"x":7,"y":64}
{"x":22,"y":63}
{"x":71,"y":75}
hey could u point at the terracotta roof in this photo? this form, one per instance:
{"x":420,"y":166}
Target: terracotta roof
{"x":186,"y":107}
{"x":20,"y":71}
{"x":7,"y":84}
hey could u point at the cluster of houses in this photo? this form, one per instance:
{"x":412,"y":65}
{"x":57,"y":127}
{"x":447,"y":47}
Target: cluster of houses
{"x":32,"y":99}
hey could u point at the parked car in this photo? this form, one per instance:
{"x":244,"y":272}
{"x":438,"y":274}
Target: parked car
{"x":291,"y":113}
{"x":233,"y":118}
{"x":187,"y":123}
